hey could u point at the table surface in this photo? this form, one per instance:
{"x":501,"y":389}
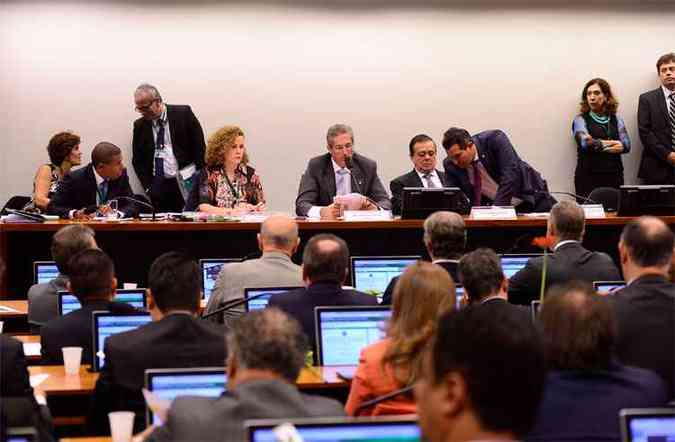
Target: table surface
{"x":20,"y":306}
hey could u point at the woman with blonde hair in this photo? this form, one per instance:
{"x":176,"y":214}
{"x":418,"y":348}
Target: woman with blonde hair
{"x":423,"y":293}
{"x":227,"y":185}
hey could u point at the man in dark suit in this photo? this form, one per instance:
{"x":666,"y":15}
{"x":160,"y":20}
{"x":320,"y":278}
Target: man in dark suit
{"x":445,"y":240}
{"x":324,"y":270}
{"x":341,"y":172}
{"x":90,"y":188}
{"x":645,"y":308}
{"x":175,"y":339}
{"x":168,"y":146}
{"x":424,"y":174}
{"x":92,"y":281}
{"x":656,"y":123}
{"x":266,"y":353}
{"x":569,"y":260}
{"x":488,"y":170}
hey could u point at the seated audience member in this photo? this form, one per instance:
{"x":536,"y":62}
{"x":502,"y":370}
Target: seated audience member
{"x":489,"y":171}
{"x":645,"y":308}
{"x":93,"y":282}
{"x":444,"y":239}
{"x":227,"y":185}
{"x":278,"y":240}
{"x":395,"y":362}
{"x":175,"y":339}
{"x":66,"y":243}
{"x":324,"y":269}
{"x":64,"y":153}
{"x":480,"y":272}
{"x":586,"y":387}
{"x":601,"y":137}
{"x":424,"y":174}
{"x":266,"y":353}
{"x":340,"y":172}
{"x":569,"y":260}
{"x":90,"y":188}
{"x":483,"y":378}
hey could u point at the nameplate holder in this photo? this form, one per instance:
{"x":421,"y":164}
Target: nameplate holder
{"x":593,"y":211}
{"x":367,"y":215}
{"x":493,"y":212}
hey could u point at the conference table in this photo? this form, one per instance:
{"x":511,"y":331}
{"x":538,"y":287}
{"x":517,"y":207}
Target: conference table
{"x":14,"y":315}
{"x":133,"y":245}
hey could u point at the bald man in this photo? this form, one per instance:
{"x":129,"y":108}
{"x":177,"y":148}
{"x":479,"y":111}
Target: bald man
{"x":278,"y":240}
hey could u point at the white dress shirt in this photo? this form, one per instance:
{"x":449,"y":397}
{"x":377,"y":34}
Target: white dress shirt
{"x":434,"y":178}
{"x":315,"y":211}
{"x":170,"y":163}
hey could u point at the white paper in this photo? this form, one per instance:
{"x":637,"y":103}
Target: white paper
{"x":593,"y":211}
{"x":286,"y":433}
{"x":157,"y":405}
{"x":32,"y":348}
{"x":493,"y":212}
{"x":351,"y":201}
{"x":367,"y":215}
{"x":37,"y":379}
{"x":4,"y":308}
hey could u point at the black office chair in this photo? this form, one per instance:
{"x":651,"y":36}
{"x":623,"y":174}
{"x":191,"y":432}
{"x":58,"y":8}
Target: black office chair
{"x":16,"y":202}
{"x":607,"y":196}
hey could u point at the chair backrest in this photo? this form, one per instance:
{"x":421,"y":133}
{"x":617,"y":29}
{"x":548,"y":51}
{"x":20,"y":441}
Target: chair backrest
{"x":16,"y":202}
{"x":607,"y":196}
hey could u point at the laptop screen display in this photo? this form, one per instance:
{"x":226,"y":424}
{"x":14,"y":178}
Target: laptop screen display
{"x":266,"y":293}
{"x":45,"y":271}
{"x":107,"y":324}
{"x":135,"y":297}
{"x":511,"y":264}
{"x":210,"y":269}
{"x":651,"y":429}
{"x":375,"y":431}
{"x":373,"y":274}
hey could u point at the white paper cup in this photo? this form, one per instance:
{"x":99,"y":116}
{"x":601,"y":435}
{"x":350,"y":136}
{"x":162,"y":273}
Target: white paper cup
{"x":72,"y":356}
{"x":121,"y":425}
{"x":130,"y":285}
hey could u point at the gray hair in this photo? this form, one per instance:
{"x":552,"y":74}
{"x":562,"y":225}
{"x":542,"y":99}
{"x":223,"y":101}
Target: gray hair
{"x":338,"y":129}
{"x":268,"y":339}
{"x":568,"y":219}
{"x":68,"y":242}
{"x":445,"y":234}
{"x":148,"y":89}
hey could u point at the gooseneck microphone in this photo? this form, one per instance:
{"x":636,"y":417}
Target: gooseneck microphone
{"x":349,"y":164}
{"x":382,"y":398}
{"x":585,"y":199}
{"x":228,"y":305}
{"x":138,"y":201}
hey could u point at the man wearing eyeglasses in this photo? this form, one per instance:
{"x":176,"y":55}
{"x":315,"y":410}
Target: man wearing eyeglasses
{"x":168,"y":149}
{"x":340,"y":179}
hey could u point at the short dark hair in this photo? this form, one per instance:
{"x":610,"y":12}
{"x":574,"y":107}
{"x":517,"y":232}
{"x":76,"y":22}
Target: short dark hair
{"x":649,"y":241}
{"x":445,"y":234}
{"x":321,"y":263}
{"x":665,"y":58}
{"x":91,"y":272}
{"x":174,"y":281}
{"x":480,"y":272}
{"x":421,"y":138}
{"x":60,"y":146}
{"x":67,"y":242}
{"x":578,"y":328}
{"x":505,"y":377}
{"x":456,"y":135}
{"x":268,"y":339}
{"x":104,"y":153}
{"x":568,"y":219}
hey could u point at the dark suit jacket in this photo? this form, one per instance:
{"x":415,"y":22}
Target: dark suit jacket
{"x":221,"y":420}
{"x":187,"y":140}
{"x":317,"y":185}
{"x":14,"y":379}
{"x":176,"y":341}
{"x":78,"y":190}
{"x":645,"y":313}
{"x":514,"y":177}
{"x":300,"y":303}
{"x":498,"y":304}
{"x":655,"y":135}
{"x":570,"y":261}
{"x":410,"y":179}
{"x":74,"y":330}
{"x":449,"y":266}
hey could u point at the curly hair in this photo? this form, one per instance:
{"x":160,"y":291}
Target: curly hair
{"x":611,"y":105}
{"x":60,"y":146}
{"x":219,"y":143}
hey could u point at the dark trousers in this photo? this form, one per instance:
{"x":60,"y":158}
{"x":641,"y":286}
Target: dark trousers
{"x":165,"y":195}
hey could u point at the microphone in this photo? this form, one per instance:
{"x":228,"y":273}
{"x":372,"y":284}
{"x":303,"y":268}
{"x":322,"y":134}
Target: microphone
{"x":228,"y":305}
{"x":350,"y":165}
{"x":585,"y":199}
{"x":138,"y":201}
{"x":382,"y":398}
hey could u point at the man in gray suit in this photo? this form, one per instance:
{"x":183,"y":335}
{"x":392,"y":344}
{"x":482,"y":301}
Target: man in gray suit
{"x":278,"y":240}
{"x":266,"y":352}
{"x":339,"y":172}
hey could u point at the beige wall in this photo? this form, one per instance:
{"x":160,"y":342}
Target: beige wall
{"x":285,"y":71}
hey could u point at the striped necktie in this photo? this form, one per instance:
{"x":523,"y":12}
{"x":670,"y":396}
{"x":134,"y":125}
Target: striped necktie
{"x":671,"y":117}
{"x":341,"y":183}
{"x":159,"y":147}
{"x":430,"y":183}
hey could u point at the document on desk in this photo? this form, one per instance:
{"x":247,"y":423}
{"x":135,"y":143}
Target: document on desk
{"x":37,"y":379}
{"x":32,"y":348}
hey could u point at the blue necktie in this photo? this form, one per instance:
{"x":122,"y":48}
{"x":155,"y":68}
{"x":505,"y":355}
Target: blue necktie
{"x":103,"y":192}
{"x":341,"y":183}
{"x":159,"y":146}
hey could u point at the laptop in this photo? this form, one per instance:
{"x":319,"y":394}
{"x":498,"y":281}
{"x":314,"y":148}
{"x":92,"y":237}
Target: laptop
{"x":459,"y":294}
{"x":169,"y":383}
{"x":68,"y":302}
{"x":534,"y":307}
{"x":106,"y":324}
{"x":341,"y":332}
{"x":343,"y":429}
{"x":512,"y":263}
{"x":210,"y":269}
{"x":266,"y":293}
{"x":44,"y":271}
{"x":647,"y":424}
{"x":372,"y":274}
{"x":608,"y":287}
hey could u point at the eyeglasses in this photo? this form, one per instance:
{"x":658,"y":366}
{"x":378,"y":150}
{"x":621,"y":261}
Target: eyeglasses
{"x":342,"y":147}
{"x":146,"y":107}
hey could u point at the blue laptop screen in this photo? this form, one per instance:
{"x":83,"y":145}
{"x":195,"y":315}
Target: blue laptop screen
{"x":652,"y":429}
{"x":609,"y":288}
{"x":408,"y":432}
{"x":69,"y":303}
{"x":373,"y":275}
{"x":113,"y":324}
{"x":171,"y":385}
{"x":344,"y":333}
{"x":135,"y":298}
{"x":459,"y":294}
{"x":45,"y":272}
{"x":511,"y":264}
{"x":210,"y":270}
{"x":261,"y":302}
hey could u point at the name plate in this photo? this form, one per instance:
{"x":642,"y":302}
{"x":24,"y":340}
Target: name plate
{"x":593,"y":211}
{"x":493,"y":212}
{"x":367,"y":215}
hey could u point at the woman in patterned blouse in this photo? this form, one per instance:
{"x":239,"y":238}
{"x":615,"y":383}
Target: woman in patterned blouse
{"x":227,"y":184}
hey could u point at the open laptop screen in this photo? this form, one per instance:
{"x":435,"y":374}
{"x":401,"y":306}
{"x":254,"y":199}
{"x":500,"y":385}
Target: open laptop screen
{"x":210,"y":269}
{"x":608,"y":287}
{"x":372,"y":274}
{"x":44,"y":271}
{"x":512,"y":263}
{"x":343,"y":331}
{"x":107,"y":324}
{"x":648,"y":425}
{"x":68,"y":302}
{"x":265,"y":295}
